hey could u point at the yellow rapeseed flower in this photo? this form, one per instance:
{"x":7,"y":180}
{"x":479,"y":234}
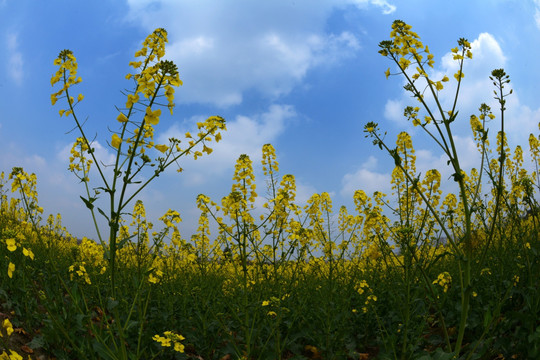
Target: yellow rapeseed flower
{"x":444,"y":280}
{"x":152,"y":117}
{"x":11,"y":244}
{"x":116,"y":141}
{"x":459,"y":75}
{"x":14,"y":355}
{"x":169,"y":339}
{"x":179,"y":347}
{"x":162,"y":148}
{"x":11,"y":269}
{"x":8,"y":327}
{"x":122,"y":118}
{"x":28,"y":253}
{"x":132,"y":99}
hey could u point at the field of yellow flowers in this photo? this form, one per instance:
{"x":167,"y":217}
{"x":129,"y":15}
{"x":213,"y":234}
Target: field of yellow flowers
{"x":451,"y":276}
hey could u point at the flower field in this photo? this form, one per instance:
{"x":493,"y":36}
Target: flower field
{"x":415,"y":274}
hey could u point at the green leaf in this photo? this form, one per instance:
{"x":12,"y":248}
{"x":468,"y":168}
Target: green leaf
{"x":89,"y":203}
{"x":102,"y":213}
{"x":121,"y":243}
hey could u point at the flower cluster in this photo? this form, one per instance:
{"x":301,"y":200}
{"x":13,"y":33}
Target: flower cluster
{"x":276,"y":304}
{"x":79,"y":164}
{"x":444,"y":280}
{"x":155,"y":72}
{"x":27,"y":187}
{"x":80,"y":271}
{"x":67,"y":72}
{"x":170,"y":219}
{"x":7,"y":329}
{"x":169,"y":339}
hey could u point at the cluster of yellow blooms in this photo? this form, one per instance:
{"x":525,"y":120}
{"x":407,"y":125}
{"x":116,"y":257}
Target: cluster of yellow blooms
{"x":170,"y":339}
{"x":79,"y":270}
{"x":78,"y":163}
{"x":67,"y":72}
{"x":275,"y":303}
{"x":444,"y":280}
{"x":7,"y":328}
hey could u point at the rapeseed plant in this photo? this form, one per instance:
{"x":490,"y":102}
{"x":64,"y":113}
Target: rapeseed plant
{"x":444,"y":275}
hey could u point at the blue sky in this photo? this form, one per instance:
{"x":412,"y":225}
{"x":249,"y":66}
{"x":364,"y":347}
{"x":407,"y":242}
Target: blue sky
{"x":303,"y":75}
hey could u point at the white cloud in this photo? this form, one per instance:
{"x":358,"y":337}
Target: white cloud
{"x":393,"y":110}
{"x":101,"y":153}
{"x":370,"y":179}
{"x":58,"y":190}
{"x":244,"y":135}
{"x":366,"y":178}
{"x":476,"y":87}
{"x":304,"y":191}
{"x":15,"y":59}
{"x":224,"y":49}
{"x":537,"y":13}
{"x":385,"y":6}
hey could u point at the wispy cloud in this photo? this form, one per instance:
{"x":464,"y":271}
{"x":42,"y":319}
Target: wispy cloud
{"x":15,"y":59}
{"x":267,"y":47}
{"x":475,"y":88}
{"x":537,"y":13}
{"x":244,"y":135}
{"x":366,"y":178}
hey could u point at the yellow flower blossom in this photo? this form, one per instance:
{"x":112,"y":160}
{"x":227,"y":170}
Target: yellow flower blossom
{"x":11,"y":244}
{"x":179,"y":347}
{"x":444,"y":280}
{"x":459,"y":75}
{"x":170,"y":338}
{"x":152,"y":117}
{"x":28,"y":253}
{"x":485,"y":271}
{"x":132,"y":99}
{"x":404,"y":63}
{"x":371,"y":298}
{"x":116,"y":141}
{"x":162,"y":148}
{"x":11,"y":269}
{"x":122,"y":118}
{"x":6,"y":324}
